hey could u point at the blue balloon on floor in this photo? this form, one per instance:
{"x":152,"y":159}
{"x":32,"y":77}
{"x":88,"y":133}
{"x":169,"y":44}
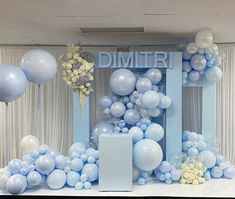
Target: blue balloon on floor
{"x":34,"y":178}
{"x":72,"y":178}
{"x":56,"y":179}
{"x":16,"y":184}
{"x":165,"y":167}
{"x":208,"y":158}
{"x":92,"y":172}
{"x":45,"y":164}
{"x":76,"y":164}
{"x":229,"y":172}
{"x":216,"y":172}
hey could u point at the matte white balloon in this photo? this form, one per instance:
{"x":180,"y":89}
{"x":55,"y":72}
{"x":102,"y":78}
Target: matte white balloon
{"x":29,"y":144}
{"x":204,"y":39}
{"x":191,"y":48}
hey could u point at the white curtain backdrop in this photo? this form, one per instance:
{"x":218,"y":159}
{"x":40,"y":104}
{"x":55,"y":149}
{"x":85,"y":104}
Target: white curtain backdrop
{"x":51,"y":125}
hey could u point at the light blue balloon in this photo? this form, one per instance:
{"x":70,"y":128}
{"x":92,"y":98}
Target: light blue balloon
{"x":186,"y":67}
{"x":14,"y":166}
{"x":117,"y":109}
{"x":45,"y":164}
{"x":207,"y":175}
{"x":213,"y":74}
{"x":165,"y":102}
{"x":106,"y":102}
{"x":216,"y":172}
{"x":154,"y":75}
{"x":34,"y":178}
{"x":72,"y":178}
{"x":16,"y":184}
{"x":122,"y":82}
{"x":198,"y":62}
{"x":12,"y":82}
{"x":56,"y":179}
{"x":208,"y":159}
{"x":229,"y":172}
{"x":192,"y":152}
{"x":186,"y":56}
{"x":141,"y":181}
{"x":151,"y":99}
{"x":193,"y":137}
{"x":194,"y":75}
{"x":101,"y":128}
{"x":61,"y":161}
{"x":219,"y":159}
{"x":154,"y":132}
{"x":131,"y":116}
{"x":78,"y":148}
{"x":143,"y":85}
{"x":147,"y":155}
{"x":185,"y":135}
{"x":136,"y":133}
{"x":76,"y":164}
{"x":175,"y":174}
{"x":184,"y":75}
{"x":39,"y":66}
{"x":201,"y":145}
{"x":92,"y":172}
{"x":165,"y":167}
{"x":87,"y":185}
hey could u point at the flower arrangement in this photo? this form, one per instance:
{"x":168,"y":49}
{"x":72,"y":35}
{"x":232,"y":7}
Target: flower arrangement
{"x":78,"y":69}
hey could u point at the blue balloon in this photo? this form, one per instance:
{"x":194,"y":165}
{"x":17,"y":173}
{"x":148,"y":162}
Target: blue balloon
{"x":14,"y":166}
{"x":141,"y":181}
{"x":154,"y":75}
{"x":61,"y":161}
{"x":92,"y":172}
{"x":45,"y":164}
{"x":136,"y":133}
{"x":143,"y":85}
{"x":79,"y":185}
{"x":16,"y":184}
{"x":101,"y":128}
{"x":175,"y":174}
{"x":192,"y":151}
{"x":76,"y":164}
{"x":201,"y":145}
{"x":198,"y":62}
{"x":207,"y":175}
{"x":72,"y":178}
{"x":229,"y":172}
{"x":165,"y":102}
{"x":106,"y":102}
{"x":151,"y":99}
{"x":131,"y":116}
{"x":39,"y":66}
{"x":34,"y":178}
{"x":117,"y":109}
{"x":12,"y":82}
{"x":186,"y":67}
{"x":165,"y":167}
{"x":194,"y":75}
{"x":216,"y":172}
{"x":193,"y":137}
{"x":219,"y":159}
{"x":154,"y":132}
{"x":185,"y":135}
{"x":208,"y":159}
{"x":77,"y":147}
{"x":186,"y":56}
{"x":122,"y":82}
{"x":213,"y":74}
{"x":56,"y":179}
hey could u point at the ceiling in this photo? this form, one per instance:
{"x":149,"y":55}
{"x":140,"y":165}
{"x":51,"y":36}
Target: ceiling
{"x":164,"y":21}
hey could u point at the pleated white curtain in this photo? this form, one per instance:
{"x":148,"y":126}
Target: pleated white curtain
{"x":51,"y":125}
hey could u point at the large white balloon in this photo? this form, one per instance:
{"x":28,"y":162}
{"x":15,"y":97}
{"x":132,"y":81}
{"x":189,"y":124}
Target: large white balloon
{"x":39,"y":66}
{"x":29,"y":144}
{"x":204,"y":39}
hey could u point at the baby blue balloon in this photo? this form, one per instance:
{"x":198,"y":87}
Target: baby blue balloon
{"x":60,"y":161}
{"x":39,"y":66}
{"x":106,"y":102}
{"x":14,"y":166}
{"x":151,"y":99}
{"x":122,"y":82}
{"x":72,"y":178}
{"x":216,"y":172}
{"x":117,"y":109}
{"x":154,"y":132}
{"x":165,"y":167}
{"x":12,"y":82}
{"x":198,"y":62}
{"x":143,"y":85}
{"x":45,"y":164}
{"x":131,"y":116}
{"x":16,"y":184}
{"x":92,"y":172}
{"x":154,"y":75}
{"x":165,"y":102}
{"x":213,"y":74}
{"x":229,"y":172}
{"x":136,"y":133}
{"x":78,"y":148}
{"x":208,"y":159}
{"x":56,"y":179}
{"x":194,"y":75}
{"x":34,"y":178}
{"x":147,"y":155}
{"x":76,"y":164}
{"x":101,"y":128}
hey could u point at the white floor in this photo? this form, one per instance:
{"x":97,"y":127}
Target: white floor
{"x":212,"y":188}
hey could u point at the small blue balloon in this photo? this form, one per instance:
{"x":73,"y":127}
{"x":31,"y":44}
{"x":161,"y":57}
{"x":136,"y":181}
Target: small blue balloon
{"x":136,"y":133}
{"x":77,"y":147}
{"x":91,"y":159}
{"x":143,"y":85}
{"x":207,"y":175}
{"x":34,"y":178}
{"x":192,"y":152}
{"x":168,"y":181}
{"x":16,"y":184}
{"x":45,"y":164}
{"x":201,"y":145}
{"x":131,"y":116}
{"x":92,"y":171}
{"x":14,"y":166}
{"x":76,"y":164}
{"x":72,"y":178}
{"x":216,"y":172}
{"x":129,"y":105}
{"x":229,"y":172}
{"x":87,"y":185}
{"x":175,"y":174}
{"x":193,"y":137}
{"x":185,"y":135}
{"x":117,"y":109}
{"x":194,"y":75}
{"x":84,"y":177}
{"x":141,"y":181}
{"x":154,"y":132}
{"x":186,"y":56}
{"x":186,"y":67}
{"x":219,"y":159}
{"x":106,"y":102}
{"x":165,"y":167}
{"x":79,"y":185}
{"x":56,"y":179}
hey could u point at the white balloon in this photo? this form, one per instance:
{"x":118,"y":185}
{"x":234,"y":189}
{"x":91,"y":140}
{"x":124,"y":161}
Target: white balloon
{"x":29,"y":144}
{"x":204,"y":39}
{"x":191,"y":48}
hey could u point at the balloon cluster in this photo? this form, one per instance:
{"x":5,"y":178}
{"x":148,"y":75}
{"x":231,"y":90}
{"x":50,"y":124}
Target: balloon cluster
{"x":201,"y":59}
{"x":79,"y":169}
{"x":167,"y":173}
{"x":196,"y":147}
{"x":37,"y":66}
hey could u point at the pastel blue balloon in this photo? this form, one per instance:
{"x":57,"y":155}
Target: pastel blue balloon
{"x":207,"y":175}
{"x":16,"y":184}
{"x":39,"y":66}
{"x":185,"y":135}
{"x":84,"y":177}
{"x":192,"y":151}
{"x":91,"y":159}
{"x":117,"y":109}
{"x":151,"y":99}
{"x":72,"y":178}
{"x":141,"y":181}
{"x":219,"y":159}
{"x":61,"y":161}
{"x":106,"y":102}
{"x":76,"y":164}
{"x":208,"y":159}
{"x":131,"y":116}
{"x":168,"y":181}
{"x":34,"y":178}
{"x":198,"y":62}
{"x":213,"y":74}
{"x":167,"y":175}
{"x":87,"y":185}
{"x":193,"y":137}
{"x":45,"y":164}
{"x":201,"y":145}
{"x":186,"y":56}
{"x":194,"y":75}
{"x":216,"y":172}
{"x":14,"y":166}
{"x":101,"y":128}
{"x":77,"y":147}
{"x":229,"y":172}
{"x":165,"y":102}
{"x":12,"y":82}
{"x":136,"y":133}
{"x":78,"y":185}
{"x":122,"y":82}
{"x":175,"y":174}
{"x":56,"y":179}
{"x":53,"y":153}
{"x":92,"y":172}
{"x":159,"y":175}
{"x":143,"y":85}
{"x":154,"y":132}
{"x":186,"y":67}
{"x":165,"y":167}
{"x":154,"y":75}
{"x":147,"y":155}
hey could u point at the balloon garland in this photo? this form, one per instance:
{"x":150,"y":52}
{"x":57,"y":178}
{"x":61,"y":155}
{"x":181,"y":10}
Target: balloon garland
{"x":78,"y":69}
